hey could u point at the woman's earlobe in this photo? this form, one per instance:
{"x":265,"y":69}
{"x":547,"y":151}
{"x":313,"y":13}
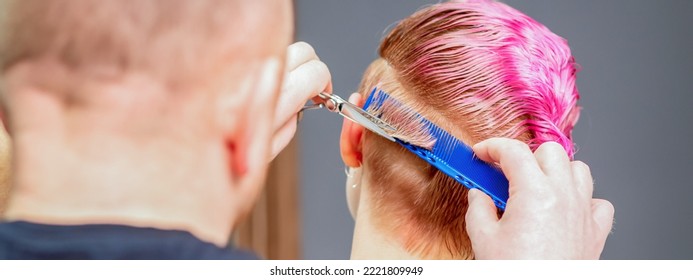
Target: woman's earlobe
{"x":353,"y":190}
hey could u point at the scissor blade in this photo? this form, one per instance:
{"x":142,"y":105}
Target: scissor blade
{"x":365,"y":119}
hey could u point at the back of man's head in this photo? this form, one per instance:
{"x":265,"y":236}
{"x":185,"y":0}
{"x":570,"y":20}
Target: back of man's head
{"x":114,"y":104}
{"x":103,"y":54}
{"x":176,"y":41}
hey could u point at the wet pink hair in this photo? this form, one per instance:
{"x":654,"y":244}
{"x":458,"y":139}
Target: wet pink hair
{"x":509,"y":74}
{"x":478,"y":69}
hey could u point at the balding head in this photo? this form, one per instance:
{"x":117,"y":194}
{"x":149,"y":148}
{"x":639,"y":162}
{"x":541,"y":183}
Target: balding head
{"x":176,"y":41}
{"x":116,"y":103}
{"x":104,"y":55}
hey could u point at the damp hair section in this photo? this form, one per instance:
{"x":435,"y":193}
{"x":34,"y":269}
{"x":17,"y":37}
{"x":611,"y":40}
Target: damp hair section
{"x":406,"y":122}
{"x":477,"y":69}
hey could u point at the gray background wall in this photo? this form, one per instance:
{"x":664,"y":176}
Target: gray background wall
{"x":635,"y":129}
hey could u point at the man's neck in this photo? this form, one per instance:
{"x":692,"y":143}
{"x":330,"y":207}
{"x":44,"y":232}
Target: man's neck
{"x":97,"y":177}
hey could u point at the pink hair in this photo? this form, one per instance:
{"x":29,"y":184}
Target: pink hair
{"x":509,"y":74}
{"x":477,"y":69}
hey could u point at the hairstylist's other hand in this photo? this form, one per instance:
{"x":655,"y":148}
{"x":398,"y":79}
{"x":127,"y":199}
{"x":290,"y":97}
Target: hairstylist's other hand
{"x":305,"y":77}
{"x":550,"y":213}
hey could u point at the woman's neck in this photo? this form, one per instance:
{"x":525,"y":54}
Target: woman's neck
{"x":371,"y":243}
{"x":372,"y":240}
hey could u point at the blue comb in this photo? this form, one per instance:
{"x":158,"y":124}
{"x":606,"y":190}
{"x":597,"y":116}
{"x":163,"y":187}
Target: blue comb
{"x":449,"y":154}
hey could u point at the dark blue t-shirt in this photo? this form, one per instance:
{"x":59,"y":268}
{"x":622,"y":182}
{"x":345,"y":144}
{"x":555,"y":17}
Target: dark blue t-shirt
{"x":24,"y":240}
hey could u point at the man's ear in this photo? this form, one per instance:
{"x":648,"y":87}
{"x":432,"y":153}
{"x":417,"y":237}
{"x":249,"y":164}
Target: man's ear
{"x":231,"y":116}
{"x":246,"y":121}
{"x":3,"y":117}
{"x":3,"y":121}
{"x":351,"y":138}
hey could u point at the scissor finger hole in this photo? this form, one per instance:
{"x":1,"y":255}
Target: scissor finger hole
{"x":331,"y":105}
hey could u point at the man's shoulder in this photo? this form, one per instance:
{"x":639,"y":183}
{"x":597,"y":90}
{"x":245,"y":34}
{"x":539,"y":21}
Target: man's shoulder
{"x":25,"y":240}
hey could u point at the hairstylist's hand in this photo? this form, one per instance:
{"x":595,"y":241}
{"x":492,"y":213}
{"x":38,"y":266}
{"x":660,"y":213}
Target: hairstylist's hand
{"x":306,"y":76}
{"x":550,"y":213}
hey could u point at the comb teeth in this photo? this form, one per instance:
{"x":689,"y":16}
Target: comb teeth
{"x":408,"y":124}
{"x":438,"y":147}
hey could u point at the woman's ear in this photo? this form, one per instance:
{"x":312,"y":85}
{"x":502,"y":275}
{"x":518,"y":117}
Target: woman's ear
{"x":351,"y":138}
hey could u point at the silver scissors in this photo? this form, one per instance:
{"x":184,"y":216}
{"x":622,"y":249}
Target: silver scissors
{"x":334,"y":103}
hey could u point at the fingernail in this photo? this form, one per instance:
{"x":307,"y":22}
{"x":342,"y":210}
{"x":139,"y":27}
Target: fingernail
{"x":475,"y":146}
{"x":353,"y":98}
{"x":473,"y":193}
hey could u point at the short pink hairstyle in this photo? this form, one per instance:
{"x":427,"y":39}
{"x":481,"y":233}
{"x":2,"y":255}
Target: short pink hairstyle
{"x":478,"y":69}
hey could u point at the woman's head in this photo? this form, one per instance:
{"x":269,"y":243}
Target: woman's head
{"x":478,"y":69}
